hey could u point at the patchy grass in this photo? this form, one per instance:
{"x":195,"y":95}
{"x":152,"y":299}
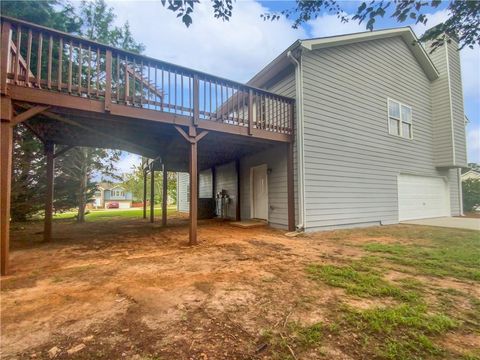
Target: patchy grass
{"x":443,"y":257}
{"x":360,"y":278}
{"x":400,"y":332}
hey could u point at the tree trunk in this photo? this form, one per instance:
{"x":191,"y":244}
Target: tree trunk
{"x":82,"y":196}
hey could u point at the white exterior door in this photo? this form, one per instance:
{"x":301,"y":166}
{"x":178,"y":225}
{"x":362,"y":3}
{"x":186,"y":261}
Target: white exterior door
{"x":259,"y":192}
{"x":421,"y":197}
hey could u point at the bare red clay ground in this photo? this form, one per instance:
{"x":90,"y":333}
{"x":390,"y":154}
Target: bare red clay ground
{"x":126,"y":289}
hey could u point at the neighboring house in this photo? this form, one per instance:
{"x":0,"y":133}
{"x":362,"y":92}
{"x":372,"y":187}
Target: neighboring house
{"x":380,"y":135}
{"x":112,"y":193}
{"x":471,"y":174}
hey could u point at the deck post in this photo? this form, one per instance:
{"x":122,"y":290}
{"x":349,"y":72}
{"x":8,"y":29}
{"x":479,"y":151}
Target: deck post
{"x":290,"y":187}
{"x":108,"y":80}
{"x":6,"y":149}
{"x":47,"y":225}
{"x":6,"y":35}
{"x":152,"y":194}
{"x":164,"y":195}
{"x":237,"y":208}
{"x":145,"y":193}
{"x":193,"y":193}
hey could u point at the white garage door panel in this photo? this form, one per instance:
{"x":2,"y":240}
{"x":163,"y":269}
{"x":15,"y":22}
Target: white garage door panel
{"x":421,"y":197}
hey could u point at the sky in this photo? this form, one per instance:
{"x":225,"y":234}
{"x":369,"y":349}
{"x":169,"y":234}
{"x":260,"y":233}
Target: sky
{"x":238,"y":49}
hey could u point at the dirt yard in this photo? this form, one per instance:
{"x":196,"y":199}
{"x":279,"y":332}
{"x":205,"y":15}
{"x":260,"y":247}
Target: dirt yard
{"x":126,"y":289}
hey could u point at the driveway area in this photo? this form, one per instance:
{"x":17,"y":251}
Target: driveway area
{"x":449,"y":222}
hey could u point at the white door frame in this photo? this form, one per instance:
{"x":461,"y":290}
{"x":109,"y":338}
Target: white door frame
{"x":252,"y":207}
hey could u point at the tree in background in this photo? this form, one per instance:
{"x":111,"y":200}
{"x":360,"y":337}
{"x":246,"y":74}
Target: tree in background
{"x":463,"y":21}
{"x":74,"y":183}
{"x":471,"y":194}
{"x":133,"y":181}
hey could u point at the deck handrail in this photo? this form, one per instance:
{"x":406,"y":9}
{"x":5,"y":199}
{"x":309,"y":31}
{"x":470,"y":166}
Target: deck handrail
{"x":100,"y":71}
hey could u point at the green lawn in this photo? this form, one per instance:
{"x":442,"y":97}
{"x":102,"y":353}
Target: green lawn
{"x":414,"y":310}
{"x":107,"y":214}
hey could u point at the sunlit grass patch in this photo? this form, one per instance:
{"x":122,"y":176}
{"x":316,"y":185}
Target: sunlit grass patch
{"x":400,"y":332}
{"x":293,"y":339}
{"x":445,"y":258}
{"x":360,"y":279}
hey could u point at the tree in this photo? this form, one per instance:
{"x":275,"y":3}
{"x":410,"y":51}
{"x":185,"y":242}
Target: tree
{"x":463,"y":22}
{"x":134,"y":182}
{"x":79,"y":165}
{"x":73,"y":179}
{"x":471,"y":194}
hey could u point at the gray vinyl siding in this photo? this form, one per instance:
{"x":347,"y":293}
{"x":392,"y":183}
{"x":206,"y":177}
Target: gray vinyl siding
{"x":351,"y":161}
{"x":458,"y":111}
{"x":447,"y":108}
{"x":183,"y":184}
{"x":285,"y":85}
{"x":276,"y":160}
{"x":205,"y":184}
{"x":226,"y":179}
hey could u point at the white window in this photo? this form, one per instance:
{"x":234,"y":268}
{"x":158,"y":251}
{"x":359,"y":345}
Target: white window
{"x":399,"y":119}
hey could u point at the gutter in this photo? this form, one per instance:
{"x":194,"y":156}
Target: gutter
{"x":300,"y":141}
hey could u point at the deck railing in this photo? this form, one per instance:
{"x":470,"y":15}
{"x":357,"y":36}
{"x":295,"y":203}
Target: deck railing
{"x":43,"y":58}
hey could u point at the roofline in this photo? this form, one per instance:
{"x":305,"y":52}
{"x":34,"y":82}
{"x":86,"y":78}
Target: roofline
{"x":280,"y":62}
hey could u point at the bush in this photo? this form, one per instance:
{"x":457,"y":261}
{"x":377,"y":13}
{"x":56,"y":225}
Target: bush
{"x":471,"y":194}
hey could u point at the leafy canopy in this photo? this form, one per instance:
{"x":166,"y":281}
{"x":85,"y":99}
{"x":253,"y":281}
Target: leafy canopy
{"x":463,"y":21}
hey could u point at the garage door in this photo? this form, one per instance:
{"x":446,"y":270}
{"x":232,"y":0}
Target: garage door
{"x":421,"y":197}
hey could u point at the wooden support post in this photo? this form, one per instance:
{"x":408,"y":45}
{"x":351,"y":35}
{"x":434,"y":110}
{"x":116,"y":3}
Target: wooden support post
{"x":108,"y":80}
{"x":5,"y":59}
{"x":250,"y":112}
{"x":47,"y":226}
{"x":6,"y":149}
{"x":193,"y":193}
{"x":196,"y":100}
{"x":193,"y":139}
{"x":290,"y":188}
{"x":152,"y":195}
{"x":214,"y":184}
{"x":164,"y":195}
{"x":237,"y":208}
{"x":145,"y":193}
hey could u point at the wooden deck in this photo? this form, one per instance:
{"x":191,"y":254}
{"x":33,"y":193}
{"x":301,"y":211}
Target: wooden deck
{"x":75,"y":92}
{"x":48,"y":67}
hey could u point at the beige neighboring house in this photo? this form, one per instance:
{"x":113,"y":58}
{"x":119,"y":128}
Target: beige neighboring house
{"x":108,"y":194}
{"x":471,"y":174}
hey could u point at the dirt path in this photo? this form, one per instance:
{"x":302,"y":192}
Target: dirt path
{"x":128,"y":289}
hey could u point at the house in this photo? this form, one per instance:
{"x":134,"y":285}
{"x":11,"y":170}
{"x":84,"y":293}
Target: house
{"x":379,"y":137}
{"x":471,"y":174}
{"x":108,"y":193}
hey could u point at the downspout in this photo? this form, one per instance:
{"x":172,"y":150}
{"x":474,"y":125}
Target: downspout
{"x":460,"y":190}
{"x":300,"y":141}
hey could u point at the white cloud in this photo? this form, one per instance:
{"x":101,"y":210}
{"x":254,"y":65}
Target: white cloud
{"x":433,"y":19}
{"x":473,"y":143}
{"x":330,"y":25}
{"x":236,"y":49}
{"x":126,"y":162}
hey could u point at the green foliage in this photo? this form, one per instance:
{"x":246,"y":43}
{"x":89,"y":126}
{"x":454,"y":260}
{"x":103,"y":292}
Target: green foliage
{"x":134,"y":182}
{"x":74,"y":185}
{"x":471,"y":194}
{"x":28,"y":185}
{"x":463,"y":21}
